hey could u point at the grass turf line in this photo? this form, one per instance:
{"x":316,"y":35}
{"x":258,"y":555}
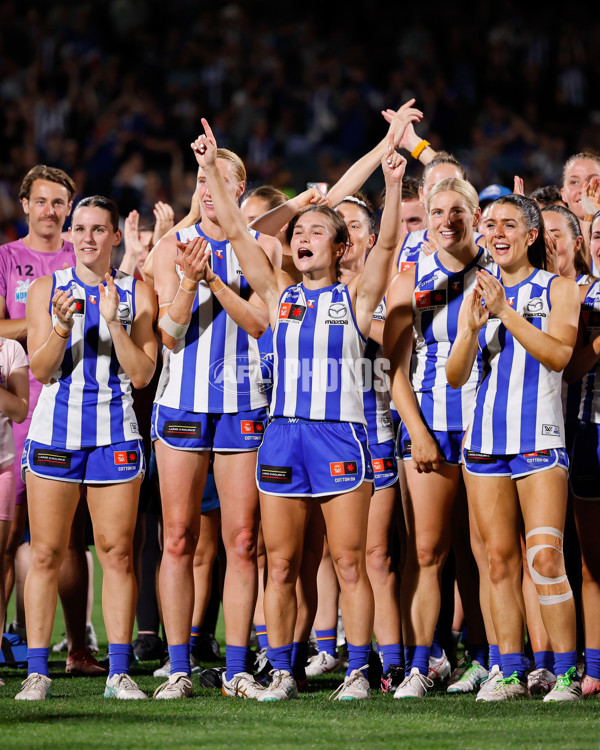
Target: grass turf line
{"x":78,"y":716}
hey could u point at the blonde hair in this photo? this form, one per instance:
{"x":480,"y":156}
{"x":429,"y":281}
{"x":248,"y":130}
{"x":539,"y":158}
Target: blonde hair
{"x":455,"y":185}
{"x":238,"y":165}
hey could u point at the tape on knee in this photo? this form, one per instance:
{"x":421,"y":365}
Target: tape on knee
{"x":538,"y":578}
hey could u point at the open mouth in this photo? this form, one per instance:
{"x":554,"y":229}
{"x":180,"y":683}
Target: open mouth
{"x":304,"y":253}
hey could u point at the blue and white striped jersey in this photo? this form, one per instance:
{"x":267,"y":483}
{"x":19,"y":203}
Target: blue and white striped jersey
{"x":436,"y":303}
{"x":319,"y":354}
{"x":376,"y":395}
{"x":216,"y":367}
{"x":518,"y":405}
{"x":88,"y":401}
{"x":412,"y":248}
{"x":589,"y":408}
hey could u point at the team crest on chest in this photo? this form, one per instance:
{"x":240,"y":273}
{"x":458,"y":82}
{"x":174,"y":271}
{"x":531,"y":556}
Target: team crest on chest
{"x":291,"y":313}
{"x":430,"y":299}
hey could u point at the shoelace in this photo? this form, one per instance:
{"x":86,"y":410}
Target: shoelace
{"x":348,"y":681}
{"x":512,"y":680}
{"x":563,"y":681}
{"x":278,"y":676}
{"x":32,"y":681}
{"x":421,"y":678}
{"x":126,"y":681}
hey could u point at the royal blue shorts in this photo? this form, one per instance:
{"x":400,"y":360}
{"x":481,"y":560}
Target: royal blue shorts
{"x":305,"y":458}
{"x":385,"y":466}
{"x":210,"y":498}
{"x":515,"y":465}
{"x":191,"y":431}
{"x":449,"y":444}
{"x":106,"y":464}
{"x":584,"y":472}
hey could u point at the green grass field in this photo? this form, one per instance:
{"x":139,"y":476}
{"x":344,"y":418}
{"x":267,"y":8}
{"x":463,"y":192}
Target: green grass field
{"x":78,"y":716}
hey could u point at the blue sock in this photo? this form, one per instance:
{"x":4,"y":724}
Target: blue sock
{"x":236,"y":659}
{"x":119,"y":657}
{"x":592,"y":662}
{"x":512,"y":663}
{"x":436,"y":649}
{"x":494,"y":655}
{"x":417,"y":656}
{"x":261,"y":634}
{"x":179,"y":656}
{"x":544,"y":660}
{"x":281,"y":657}
{"x":358,"y":657}
{"x":299,"y":658}
{"x":326,"y":640}
{"x":478,"y":652}
{"x":37,"y":661}
{"x":564,"y":661}
{"x":195,"y":637}
{"x":392,"y":655}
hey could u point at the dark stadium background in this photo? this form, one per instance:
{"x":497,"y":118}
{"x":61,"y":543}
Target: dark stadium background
{"x":113,"y":91}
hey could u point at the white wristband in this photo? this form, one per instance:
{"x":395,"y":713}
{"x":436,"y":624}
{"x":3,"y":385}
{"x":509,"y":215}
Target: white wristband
{"x":173,"y":329}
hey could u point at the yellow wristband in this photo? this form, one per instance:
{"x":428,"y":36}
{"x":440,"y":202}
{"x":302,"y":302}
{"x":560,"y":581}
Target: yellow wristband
{"x":219,"y":285}
{"x":419,"y":148}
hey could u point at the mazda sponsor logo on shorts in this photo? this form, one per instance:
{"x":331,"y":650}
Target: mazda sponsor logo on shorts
{"x":241,"y":374}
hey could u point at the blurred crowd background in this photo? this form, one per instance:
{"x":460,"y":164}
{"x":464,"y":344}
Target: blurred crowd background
{"x":113,"y":91}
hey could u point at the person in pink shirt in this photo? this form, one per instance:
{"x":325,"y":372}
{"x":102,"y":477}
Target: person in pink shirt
{"x":14,"y":393}
{"x":46,"y":196}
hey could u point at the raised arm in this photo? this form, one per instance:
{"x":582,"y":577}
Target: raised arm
{"x":355,"y":177}
{"x":417,"y":147}
{"x":274,"y":220}
{"x":371,"y":283}
{"x":397,"y":348}
{"x":133,"y":245}
{"x":266,"y":280}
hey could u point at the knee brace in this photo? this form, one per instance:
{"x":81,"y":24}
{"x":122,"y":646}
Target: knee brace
{"x":539,"y":579}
